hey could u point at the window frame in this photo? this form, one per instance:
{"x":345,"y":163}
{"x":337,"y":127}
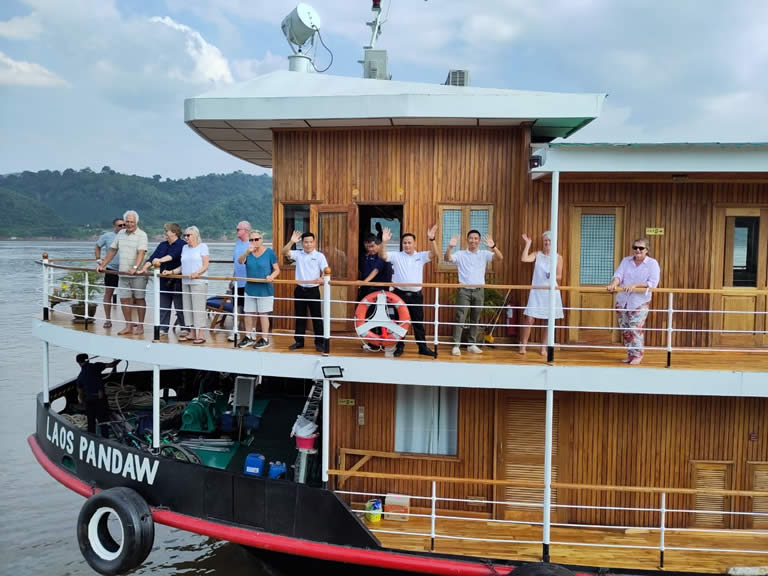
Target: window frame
{"x":430,"y":455}
{"x":466,"y":210}
{"x":283,"y":260}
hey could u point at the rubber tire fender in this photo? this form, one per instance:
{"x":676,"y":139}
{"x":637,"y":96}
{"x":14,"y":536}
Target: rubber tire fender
{"x":138,"y":530}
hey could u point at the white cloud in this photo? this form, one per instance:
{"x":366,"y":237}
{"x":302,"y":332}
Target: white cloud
{"x":247,"y":69}
{"x":20,"y":73}
{"x":210,"y":66}
{"x":21,"y":27}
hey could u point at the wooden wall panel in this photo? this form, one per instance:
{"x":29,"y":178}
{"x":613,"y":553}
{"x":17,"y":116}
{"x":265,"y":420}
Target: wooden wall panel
{"x":644,"y":440}
{"x":414,"y":166}
{"x":475,"y":457}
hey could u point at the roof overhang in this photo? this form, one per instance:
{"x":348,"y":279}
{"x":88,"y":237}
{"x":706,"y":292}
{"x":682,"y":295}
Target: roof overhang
{"x":676,"y":159}
{"x":240,"y":118}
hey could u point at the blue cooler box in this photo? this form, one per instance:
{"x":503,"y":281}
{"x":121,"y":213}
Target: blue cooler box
{"x":254,"y":465}
{"x":276,"y":470}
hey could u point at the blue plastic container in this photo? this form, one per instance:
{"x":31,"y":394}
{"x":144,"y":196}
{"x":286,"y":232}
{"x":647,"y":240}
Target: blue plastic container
{"x":227,"y":422}
{"x":276,"y":470}
{"x":254,"y":465}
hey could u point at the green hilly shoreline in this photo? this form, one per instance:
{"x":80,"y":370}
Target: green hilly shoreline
{"x":81,"y":204}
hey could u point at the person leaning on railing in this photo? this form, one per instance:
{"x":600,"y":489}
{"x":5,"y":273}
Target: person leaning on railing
{"x":634,"y":272}
{"x":194,"y":286}
{"x":167,"y":255}
{"x":260,"y":262}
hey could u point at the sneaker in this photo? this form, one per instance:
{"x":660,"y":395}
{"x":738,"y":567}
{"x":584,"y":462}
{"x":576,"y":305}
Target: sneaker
{"x":231,"y":337}
{"x":475,"y":349}
{"x":456,"y":351}
{"x":245,"y":342}
{"x":262,"y":343}
{"x":296,"y":346}
{"x":427,"y":352}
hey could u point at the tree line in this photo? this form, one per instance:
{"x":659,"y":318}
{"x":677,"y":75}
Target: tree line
{"x":82,"y":203}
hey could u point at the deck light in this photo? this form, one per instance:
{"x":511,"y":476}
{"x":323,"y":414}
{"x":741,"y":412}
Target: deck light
{"x":333,"y":372}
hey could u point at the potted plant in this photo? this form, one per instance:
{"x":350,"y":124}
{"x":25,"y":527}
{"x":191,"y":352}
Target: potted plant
{"x":71,"y":289}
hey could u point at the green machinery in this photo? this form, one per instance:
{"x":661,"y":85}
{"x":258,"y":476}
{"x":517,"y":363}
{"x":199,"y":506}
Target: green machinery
{"x":203,"y":412}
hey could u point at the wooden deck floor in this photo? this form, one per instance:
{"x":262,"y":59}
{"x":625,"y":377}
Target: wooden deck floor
{"x":749,"y":361}
{"x":593,"y":551}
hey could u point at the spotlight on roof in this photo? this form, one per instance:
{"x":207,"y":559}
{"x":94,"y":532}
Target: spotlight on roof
{"x":299,"y":28}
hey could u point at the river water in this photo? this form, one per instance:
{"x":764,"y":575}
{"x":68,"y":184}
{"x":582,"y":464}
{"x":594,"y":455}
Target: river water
{"x":37,"y":514}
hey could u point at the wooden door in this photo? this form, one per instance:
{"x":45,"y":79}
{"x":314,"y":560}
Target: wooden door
{"x":758,"y":476}
{"x":335,"y":239}
{"x":595,"y":250}
{"x":521,"y":425}
{"x":712,"y":476}
{"x":740,"y":249}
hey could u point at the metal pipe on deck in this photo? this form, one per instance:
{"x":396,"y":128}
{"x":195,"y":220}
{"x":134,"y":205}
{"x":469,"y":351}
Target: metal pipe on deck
{"x":156,"y":301}
{"x":327,"y":310}
{"x":46,"y":374}
{"x":553,"y":215}
{"x":155,"y":406}
{"x":326,"y":426}
{"x":546,"y":521}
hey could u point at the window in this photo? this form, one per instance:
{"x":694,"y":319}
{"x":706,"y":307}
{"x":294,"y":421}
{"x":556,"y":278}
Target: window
{"x":597,"y":248}
{"x":744,"y":232}
{"x":460,"y":220}
{"x":426,"y":420}
{"x":295,"y":217}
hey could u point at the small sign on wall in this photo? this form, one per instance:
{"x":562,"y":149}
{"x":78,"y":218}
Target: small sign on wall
{"x":346,"y":401}
{"x":654,"y":231}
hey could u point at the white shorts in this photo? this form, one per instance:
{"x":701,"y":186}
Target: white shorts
{"x":259,"y":304}
{"x":132,"y":287}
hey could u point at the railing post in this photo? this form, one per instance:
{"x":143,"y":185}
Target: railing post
{"x":235,"y":318}
{"x":45,"y":286}
{"x":46,"y":374}
{"x":553,"y":216}
{"x":156,"y":299}
{"x":327,"y":310}
{"x":670,"y":312}
{"x":326,"y":399}
{"x":433,"y":515}
{"x":662,"y":526}
{"x":155,"y":406}
{"x":547,"y":511}
{"x":86,"y":286}
{"x":436,"y":337}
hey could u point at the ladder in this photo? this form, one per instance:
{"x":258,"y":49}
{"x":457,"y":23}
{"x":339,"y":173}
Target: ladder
{"x":310,"y":412}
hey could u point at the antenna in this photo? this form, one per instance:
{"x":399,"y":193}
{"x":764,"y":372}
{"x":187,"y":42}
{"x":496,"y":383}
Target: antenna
{"x":299,"y":27}
{"x":375,"y":61}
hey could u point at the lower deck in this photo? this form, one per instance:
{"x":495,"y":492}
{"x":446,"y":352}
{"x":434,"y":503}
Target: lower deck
{"x":606,"y":548}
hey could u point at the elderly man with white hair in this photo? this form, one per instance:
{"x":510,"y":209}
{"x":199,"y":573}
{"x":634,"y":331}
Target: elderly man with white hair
{"x":131,"y":245}
{"x":241,"y":245}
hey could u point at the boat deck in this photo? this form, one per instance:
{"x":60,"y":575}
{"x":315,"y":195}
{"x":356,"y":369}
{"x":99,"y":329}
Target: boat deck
{"x":747,"y":361}
{"x":594,"y":548}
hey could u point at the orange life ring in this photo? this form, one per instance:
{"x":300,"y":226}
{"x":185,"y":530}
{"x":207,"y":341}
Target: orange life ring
{"x":391,"y":329}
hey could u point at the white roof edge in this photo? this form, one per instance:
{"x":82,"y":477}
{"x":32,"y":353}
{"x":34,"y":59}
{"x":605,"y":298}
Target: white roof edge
{"x":681,"y":158}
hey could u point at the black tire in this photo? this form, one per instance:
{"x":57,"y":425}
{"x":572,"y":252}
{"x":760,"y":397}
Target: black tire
{"x":178,"y":452}
{"x":97,"y":545}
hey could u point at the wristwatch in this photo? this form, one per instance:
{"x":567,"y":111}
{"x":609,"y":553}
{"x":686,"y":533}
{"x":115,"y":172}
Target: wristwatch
{"x":135,"y":267}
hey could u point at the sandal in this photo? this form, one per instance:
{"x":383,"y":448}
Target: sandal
{"x":108,"y":324}
{"x":198,"y":341}
{"x":182,"y":337}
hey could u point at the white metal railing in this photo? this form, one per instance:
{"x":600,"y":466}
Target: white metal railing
{"x":670,"y":329}
{"x":440,"y":530}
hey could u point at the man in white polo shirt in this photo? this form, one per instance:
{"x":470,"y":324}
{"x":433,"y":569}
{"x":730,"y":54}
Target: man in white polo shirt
{"x":131,"y":246}
{"x":471,"y":264}
{"x":310,"y":266}
{"x":408,"y":268}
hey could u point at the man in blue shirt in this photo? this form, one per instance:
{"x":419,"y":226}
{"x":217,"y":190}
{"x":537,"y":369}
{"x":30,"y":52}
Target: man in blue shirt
{"x":90,"y":390}
{"x":241,"y":245}
{"x":168,"y":256}
{"x":110,"y":280}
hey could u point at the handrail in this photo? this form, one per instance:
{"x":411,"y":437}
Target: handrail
{"x":731,"y":291}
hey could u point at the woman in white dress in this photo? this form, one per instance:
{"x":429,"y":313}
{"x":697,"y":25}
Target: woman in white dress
{"x":538,"y":300}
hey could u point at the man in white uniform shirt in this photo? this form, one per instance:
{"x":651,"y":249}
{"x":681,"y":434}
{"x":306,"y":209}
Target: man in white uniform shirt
{"x":310,"y":266}
{"x":471,"y":264}
{"x":409,"y":269}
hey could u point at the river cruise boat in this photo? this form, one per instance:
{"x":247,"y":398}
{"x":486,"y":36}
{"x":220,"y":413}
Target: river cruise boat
{"x":468,"y":463}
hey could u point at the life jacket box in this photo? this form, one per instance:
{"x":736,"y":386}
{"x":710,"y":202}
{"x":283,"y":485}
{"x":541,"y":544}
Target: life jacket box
{"x":254,"y":465}
{"x":230,"y":422}
{"x":396,"y":507}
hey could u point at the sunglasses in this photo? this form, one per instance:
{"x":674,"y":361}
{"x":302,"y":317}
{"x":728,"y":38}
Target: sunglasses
{"x":121,"y":225}
{"x":187,"y":235}
{"x":254,"y":239}
{"x":638,"y":248}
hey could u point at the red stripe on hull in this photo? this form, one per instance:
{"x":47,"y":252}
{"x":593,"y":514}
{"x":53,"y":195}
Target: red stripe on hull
{"x":284,"y":544}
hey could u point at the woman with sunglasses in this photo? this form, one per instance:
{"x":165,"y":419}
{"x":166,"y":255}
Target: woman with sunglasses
{"x":538,"y":300}
{"x":635,"y":272}
{"x":260,"y":263}
{"x":194,"y":285}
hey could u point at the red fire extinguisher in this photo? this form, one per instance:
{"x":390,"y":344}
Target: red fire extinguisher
{"x":511,"y":314}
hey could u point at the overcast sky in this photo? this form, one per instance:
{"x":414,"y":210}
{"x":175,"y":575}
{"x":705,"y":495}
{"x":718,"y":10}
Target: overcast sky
{"x":102,"y":82}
